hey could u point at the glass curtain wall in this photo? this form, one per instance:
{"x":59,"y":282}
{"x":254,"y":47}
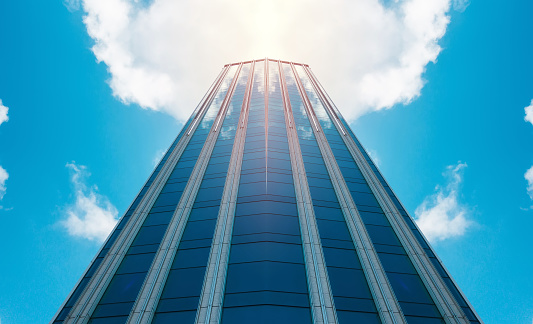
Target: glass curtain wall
{"x":266,"y":277}
{"x":353,"y":300}
{"x":415,"y":301}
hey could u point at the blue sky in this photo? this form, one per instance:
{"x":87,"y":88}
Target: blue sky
{"x":441,"y":95}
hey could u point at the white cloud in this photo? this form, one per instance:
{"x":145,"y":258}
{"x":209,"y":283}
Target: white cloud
{"x":374,"y":156}
{"x":158,"y":156}
{"x":91,"y":216}
{"x":3,"y":113}
{"x":441,"y":215}
{"x":163,"y":54}
{"x":460,"y":5}
{"x":3,"y":178}
{"x":529,"y":113}
{"x":72,"y":5}
{"x":529,"y":177}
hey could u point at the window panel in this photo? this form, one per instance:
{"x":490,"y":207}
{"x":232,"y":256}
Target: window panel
{"x":357,"y":317}
{"x":319,"y":182}
{"x":374,"y":218}
{"x":181,"y":173}
{"x":266,"y":251}
{"x":207,"y":203}
{"x":167,"y":199}
{"x":370,"y":209}
{"x":409,"y":288}
{"x":273,"y":237}
{"x":397,"y":263}
{"x":349,"y":283}
{"x":173,"y":187}
{"x":266,"y":223}
{"x":158,"y":218}
{"x":123,"y":288}
{"x":279,"y":164}
{"x":338,"y":244}
{"x":382,"y":235}
{"x":174,"y":317}
{"x":325,"y":203}
{"x":333,"y":229}
{"x":361,"y":198}
{"x":261,"y":207}
{"x":209,"y":194}
{"x":192,"y":244}
{"x":254,"y":155}
{"x":184,"y":283}
{"x":315,"y":168}
{"x":381,"y":248}
{"x":354,"y":304}
{"x":142,"y":249}
{"x":334,"y":214}
{"x":278,"y":145}
{"x":109,"y":320}
{"x":266,"y":275}
{"x":253,"y":164}
{"x":279,"y":155}
{"x":150,"y":235}
{"x":213,"y":182}
{"x":358,"y":187}
{"x":423,"y":320}
{"x":341,"y":258}
{"x":266,"y":315}
{"x":199,"y":230}
{"x":177,"y":304}
{"x":420,"y":310}
{"x":266,"y":298}
{"x":118,"y":309}
{"x":252,"y":189}
{"x":191,"y":258}
{"x":252,"y":177}
{"x":136,"y":263}
{"x":318,"y":193}
{"x":204,"y":213}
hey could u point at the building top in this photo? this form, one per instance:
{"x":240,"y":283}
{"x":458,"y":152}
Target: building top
{"x":266,"y":58}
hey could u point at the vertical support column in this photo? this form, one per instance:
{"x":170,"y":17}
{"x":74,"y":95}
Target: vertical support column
{"x":322,"y":305}
{"x":146,"y":302}
{"x":444,"y":300}
{"x":386,"y":303}
{"x":89,"y":298}
{"x":212,"y":297}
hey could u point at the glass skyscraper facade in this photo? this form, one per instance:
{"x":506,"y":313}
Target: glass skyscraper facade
{"x":266,"y":209}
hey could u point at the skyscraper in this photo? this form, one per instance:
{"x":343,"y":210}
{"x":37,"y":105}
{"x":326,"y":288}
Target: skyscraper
{"x":266,"y":209}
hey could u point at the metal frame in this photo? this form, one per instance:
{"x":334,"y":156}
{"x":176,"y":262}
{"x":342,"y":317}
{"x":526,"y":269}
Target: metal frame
{"x":186,"y":132}
{"x":211,"y":299}
{"x":90,"y":296}
{"x":212,"y":296}
{"x":148,"y":298}
{"x":337,"y":120}
{"x":384,"y":298}
{"x":442,"y":297}
{"x":321,"y":298}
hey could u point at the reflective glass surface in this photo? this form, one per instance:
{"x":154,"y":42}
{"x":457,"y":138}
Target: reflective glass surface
{"x":181,"y":293}
{"x":451,"y":286}
{"x":127,"y":281}
{"x":350,"y":290}
{"x":404,"y":280}
{"x":266,"y":277}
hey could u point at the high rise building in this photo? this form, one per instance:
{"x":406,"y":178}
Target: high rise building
{"x":266,"y":209}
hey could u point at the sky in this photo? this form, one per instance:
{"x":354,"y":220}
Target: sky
{"x":92,"y":92}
